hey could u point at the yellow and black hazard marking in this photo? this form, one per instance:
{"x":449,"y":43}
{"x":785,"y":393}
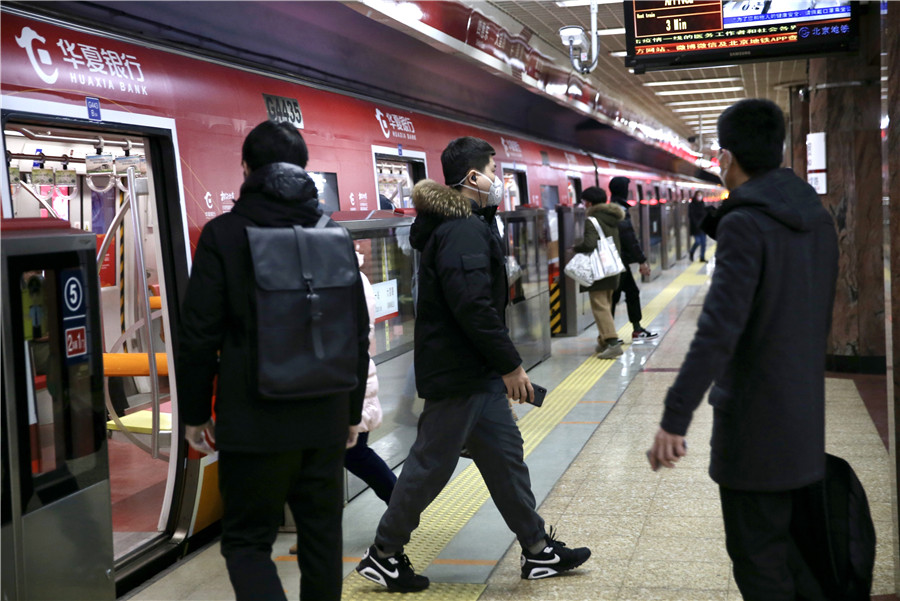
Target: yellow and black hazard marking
{"x":556,"y":323}
{"x":122,"y":273}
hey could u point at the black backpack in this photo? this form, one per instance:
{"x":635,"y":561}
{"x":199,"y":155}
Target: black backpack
{"x":851,"y":533}
{"x":306,"y":310}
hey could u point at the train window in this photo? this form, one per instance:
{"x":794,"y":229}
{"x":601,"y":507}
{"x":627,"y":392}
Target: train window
{"x":395,"y":176}
{"x":515,"y":189}
{"x":549,"y":197}
{"x":573,"y":189}
{"x":326,"y":184}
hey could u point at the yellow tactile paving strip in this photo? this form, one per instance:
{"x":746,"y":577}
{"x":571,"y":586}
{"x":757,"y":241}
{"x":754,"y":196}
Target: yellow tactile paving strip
{"x":466,"y":493}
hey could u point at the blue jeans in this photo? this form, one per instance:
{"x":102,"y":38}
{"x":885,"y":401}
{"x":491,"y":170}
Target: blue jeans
{"x":699,"y":240}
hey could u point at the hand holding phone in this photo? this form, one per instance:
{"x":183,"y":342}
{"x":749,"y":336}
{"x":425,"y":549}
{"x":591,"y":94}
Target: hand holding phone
{"x":539,"y":394}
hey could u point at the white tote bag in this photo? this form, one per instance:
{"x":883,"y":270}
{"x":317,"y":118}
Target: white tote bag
{"x":606,"y":261}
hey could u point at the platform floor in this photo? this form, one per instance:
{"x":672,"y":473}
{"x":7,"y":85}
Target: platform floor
{"x":653,"y":535}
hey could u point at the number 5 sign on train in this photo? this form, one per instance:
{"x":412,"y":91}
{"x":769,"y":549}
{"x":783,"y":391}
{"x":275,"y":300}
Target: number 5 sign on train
{"x":74,"y":313}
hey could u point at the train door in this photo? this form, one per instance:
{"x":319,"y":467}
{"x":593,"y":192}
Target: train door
{"x":515,"y":187}
{"x":667,"y":227}
{"x":395,"y":176}
{"x":650,"y":232}
{"x":120,"y":182}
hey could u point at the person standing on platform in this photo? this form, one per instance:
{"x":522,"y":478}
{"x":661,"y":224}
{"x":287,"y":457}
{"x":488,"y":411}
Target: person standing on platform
{"x":631,"y":253}
{"x":696,"y":213}
{"x":776,"y":270}
{"x":466,"y":369}
{"x":270,"y":452}
{"x":608,"y":216}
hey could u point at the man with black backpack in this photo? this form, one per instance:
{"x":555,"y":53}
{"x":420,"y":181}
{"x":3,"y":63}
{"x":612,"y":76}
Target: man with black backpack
{"x":280,"y":437}
{"x":760,"y":343}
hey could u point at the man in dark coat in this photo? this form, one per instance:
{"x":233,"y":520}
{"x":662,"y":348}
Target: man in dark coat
{"x":607,"y":216}
{"x":761,"y":341}
{"x":269,"y":452}
{"x":696,"y":214}
{"x":631,"y":253}
{"x":466,"y":368}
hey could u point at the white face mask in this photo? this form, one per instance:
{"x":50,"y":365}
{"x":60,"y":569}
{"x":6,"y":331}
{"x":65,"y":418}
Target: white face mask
{"x":495,"y":194}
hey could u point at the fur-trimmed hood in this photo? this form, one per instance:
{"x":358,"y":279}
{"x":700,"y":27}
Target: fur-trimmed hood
{"x":434,"y":205}
{"x":610,"y":214}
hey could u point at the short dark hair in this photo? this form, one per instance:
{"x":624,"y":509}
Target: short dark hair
{"x":594,"y":195}
{"x":753,"y":131}
{"x":274,"y":142}
{"x":463,"y":154}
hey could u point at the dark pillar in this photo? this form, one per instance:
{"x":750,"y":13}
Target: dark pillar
{"x":891,"y":162}
{"x":845,"y":103}
{"x":799,"y":127}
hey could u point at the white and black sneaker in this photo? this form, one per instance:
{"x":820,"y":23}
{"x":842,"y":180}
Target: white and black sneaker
{"x":394,"y":572}
{"x":554,"y":559}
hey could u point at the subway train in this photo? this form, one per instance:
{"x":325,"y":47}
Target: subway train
{"x":139,"y":147}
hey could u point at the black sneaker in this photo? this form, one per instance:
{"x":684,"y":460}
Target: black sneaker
{"x":554,"y":559}
{"x":395,"y":572}
{"x":641,"y":335}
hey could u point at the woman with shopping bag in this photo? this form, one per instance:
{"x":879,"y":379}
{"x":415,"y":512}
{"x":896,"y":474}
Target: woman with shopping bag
{"x":607,"y":216}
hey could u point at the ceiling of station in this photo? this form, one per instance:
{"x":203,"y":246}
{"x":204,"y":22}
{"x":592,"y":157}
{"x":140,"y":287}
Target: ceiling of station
{"x":679,"y":112}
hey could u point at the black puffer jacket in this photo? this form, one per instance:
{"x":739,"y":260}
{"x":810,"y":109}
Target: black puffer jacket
{"x":217,"y":333}
{"x":696,"y":214}
{"x":631,"y":246}
{"x":761,"y":337}
{"x":462,"y":345}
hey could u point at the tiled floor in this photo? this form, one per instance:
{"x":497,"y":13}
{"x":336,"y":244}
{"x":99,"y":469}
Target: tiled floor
{"x":653,"y":535}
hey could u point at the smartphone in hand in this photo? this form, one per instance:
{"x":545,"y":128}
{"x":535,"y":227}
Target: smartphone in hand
{"x":539,"y":393}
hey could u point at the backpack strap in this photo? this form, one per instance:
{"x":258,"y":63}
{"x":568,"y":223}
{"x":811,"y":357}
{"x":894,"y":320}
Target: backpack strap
{"x":311,"y":296}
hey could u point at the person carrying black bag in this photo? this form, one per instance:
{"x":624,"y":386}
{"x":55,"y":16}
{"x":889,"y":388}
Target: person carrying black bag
{"x":270,"y":451}
{"x":776,"y":271}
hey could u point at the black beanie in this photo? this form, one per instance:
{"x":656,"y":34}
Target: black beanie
{"x":618,"y":186}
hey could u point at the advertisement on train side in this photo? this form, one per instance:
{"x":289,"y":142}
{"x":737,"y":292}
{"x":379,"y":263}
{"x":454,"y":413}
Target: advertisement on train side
{"x":214,"y":106}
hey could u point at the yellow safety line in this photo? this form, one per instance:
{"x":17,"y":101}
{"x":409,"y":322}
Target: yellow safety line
{"x":464,"y":495}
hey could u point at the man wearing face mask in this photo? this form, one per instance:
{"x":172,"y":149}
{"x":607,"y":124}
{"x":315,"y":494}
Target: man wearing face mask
{"x":760,"y":343}
{"x":466,"y":368}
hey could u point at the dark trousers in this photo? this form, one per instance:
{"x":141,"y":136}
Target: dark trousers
{"x":774,"y":543}
{"x":254,"y":489}
{"x":699,"y":240}
{"x":484,"y":424}
{"x":365,"y":464}
{"x":628,"y":286}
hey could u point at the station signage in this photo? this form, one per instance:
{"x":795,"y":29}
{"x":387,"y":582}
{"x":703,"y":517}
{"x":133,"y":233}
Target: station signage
{"x":74,"y":315}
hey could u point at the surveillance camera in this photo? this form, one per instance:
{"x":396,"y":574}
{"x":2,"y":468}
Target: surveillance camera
{"x":574,"y":36}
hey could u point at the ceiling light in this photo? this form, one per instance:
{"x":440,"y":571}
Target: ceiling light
{"x":571,"y":3}
{"x":614,"y":31}
{"x":682,"y":82}
{"x":702,"y":109}
{"x":689,"y":102}
{"x":619,"y":53}
{"x":699,"y":91}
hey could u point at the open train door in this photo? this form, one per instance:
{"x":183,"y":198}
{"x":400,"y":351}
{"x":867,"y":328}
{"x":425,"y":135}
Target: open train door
{"x":118,"y":178}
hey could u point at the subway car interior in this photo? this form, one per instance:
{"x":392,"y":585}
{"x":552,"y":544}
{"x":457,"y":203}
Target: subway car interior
{"x":122,"y":129}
